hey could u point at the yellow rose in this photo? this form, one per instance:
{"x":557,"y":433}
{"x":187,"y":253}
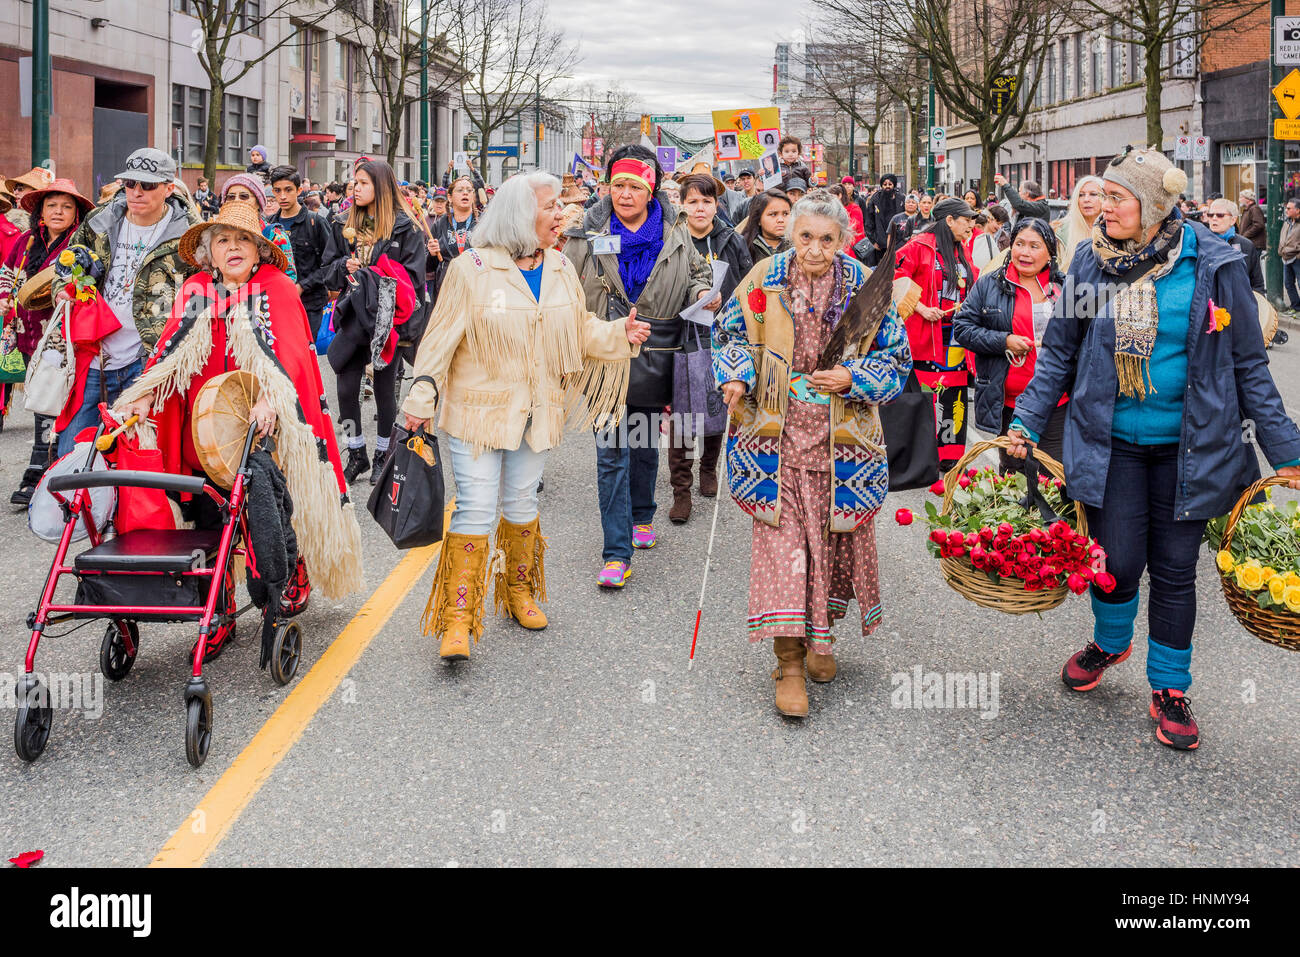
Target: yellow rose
{"x":1268,"y":573}
{"x":1292,"y":579}
{"x":1276,"y":586}
{"x":1224,"y":561}
{"x":1250,"y":576}
{"x":1291,"y":598}
{"x":66,"y":258}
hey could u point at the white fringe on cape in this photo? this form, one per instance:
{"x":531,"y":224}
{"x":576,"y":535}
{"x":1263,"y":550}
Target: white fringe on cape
{"x":329,"y":537}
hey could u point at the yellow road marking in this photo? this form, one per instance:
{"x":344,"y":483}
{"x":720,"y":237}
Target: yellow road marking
{"x":221,"y":806}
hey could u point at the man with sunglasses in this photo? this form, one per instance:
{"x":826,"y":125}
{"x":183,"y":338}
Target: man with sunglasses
{"x":136,"y":234}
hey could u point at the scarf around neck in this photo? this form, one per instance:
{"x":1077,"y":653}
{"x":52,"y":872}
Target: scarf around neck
{"x":1134,"y":307}
{"x":638,"y":249}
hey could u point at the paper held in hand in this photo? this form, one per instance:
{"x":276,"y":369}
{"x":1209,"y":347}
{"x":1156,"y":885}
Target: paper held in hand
{"x":696,"y":312}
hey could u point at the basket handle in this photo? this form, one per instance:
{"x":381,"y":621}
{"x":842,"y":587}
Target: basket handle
{"x":1246,"y":498}
{"x":1041,"y":461}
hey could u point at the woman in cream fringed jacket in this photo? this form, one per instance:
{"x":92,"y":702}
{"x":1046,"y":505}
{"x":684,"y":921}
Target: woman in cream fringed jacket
{"x":512,"y":350}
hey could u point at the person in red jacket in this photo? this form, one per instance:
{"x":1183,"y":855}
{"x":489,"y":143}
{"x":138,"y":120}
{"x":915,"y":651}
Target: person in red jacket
{"x":935,"y":260}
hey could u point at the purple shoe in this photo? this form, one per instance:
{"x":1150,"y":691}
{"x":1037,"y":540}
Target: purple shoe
{"x":614,"y":575}
{"x":643,"y":536}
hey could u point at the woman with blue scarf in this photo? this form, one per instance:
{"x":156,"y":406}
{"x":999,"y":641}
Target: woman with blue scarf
{"x":633,"y":253}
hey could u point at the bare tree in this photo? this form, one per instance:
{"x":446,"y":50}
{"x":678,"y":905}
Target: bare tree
{"x":509,"y":59}
{"x":387,"y":33}
{"x":1168,"y":34}
{"x":966,"y":44}
{"x":613,"y":116}
{"x":223,"y":42}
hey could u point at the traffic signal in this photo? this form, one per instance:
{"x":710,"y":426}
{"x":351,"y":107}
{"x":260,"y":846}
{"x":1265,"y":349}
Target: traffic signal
{"x":525,"y":145}
{"x":645,"y":123}
{"x":541,"y":131}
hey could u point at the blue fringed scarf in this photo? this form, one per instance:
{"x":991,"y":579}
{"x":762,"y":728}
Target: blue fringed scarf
{"x":639,"y":249}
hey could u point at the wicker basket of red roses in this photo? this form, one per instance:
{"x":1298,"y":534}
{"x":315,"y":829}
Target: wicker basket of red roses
{"x":1006,"y":549}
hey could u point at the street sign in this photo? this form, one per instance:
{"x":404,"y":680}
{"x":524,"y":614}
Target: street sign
{"x":938,"y":139}
{"x":1287,"y":94}
{"x":1201,"y":148}
{"x":1183,"y":148}
{"x":667,"y":119}
{"x":503,"y":151}
{"x":1002,"y":92}
{"x":1286,"y":41}
{"x":1286,"y":129}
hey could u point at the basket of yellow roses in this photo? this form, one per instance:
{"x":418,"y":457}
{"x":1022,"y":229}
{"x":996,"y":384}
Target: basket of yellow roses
{"x":1258,"y":556}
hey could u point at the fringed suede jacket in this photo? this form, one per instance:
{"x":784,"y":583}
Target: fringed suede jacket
{"x":511,"y":367}
{"x":753,"y":340}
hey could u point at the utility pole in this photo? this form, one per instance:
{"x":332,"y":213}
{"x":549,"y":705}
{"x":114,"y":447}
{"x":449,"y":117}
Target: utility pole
{"x":424,"y":90}
{"x":929,"y":123}
{"x":1273,"y":211}
{"x":41,"y":83}
{"x":853,"y":101}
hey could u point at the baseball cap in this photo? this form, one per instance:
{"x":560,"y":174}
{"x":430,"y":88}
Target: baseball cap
{"x":149,"y":165}
{"x":746,"y":172}
{"x":796,"y":183}
{"x":728,"y":175}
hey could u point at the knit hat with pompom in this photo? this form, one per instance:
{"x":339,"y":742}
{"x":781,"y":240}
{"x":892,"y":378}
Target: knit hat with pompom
{"x":1149,"y":175}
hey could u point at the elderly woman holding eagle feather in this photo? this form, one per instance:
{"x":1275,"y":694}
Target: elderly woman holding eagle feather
{"x":805,"y":352}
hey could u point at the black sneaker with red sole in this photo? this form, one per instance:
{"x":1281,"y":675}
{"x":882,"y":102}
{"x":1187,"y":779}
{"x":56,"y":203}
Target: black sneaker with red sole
{"x":293,"y":600}
{"x":1175,"y":726}
{"x":1084,"y":669}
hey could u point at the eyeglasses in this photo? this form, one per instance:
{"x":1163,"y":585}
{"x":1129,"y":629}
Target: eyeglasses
{"x":1217,"y":215}
{"x":1111,"y":199}
{"x":133,"y":183}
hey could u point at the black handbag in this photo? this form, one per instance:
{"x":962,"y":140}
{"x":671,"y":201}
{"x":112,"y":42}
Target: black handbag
{"x":408,"y":500}
{"x":650,"y":374}
{"x":910,"y":438}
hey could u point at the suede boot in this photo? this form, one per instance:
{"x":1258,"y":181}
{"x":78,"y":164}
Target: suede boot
{"x":821,"y":668}
{"x":709,"y":465}
{"x":521,"y":581}
{"x":791,"y":689}
{"x":679,"y":476}
{"x":455,"y":607}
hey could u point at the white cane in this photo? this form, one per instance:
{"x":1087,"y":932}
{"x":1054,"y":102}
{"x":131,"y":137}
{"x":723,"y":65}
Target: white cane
{"x":708,"y":555}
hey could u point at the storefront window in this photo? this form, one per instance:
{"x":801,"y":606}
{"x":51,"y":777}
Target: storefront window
{"x":1237,"y":165}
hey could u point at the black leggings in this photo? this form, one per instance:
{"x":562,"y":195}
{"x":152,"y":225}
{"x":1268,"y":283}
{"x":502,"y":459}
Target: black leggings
{"x":349,"y":386}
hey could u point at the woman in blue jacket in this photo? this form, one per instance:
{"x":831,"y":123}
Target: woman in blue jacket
{"x":1159,"y":395}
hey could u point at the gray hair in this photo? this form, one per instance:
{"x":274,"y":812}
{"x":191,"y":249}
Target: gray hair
{"x":203,"y":251}
{"x":510,"y":221}
{"x":1233,"y":209}
{"x":823,"y":204}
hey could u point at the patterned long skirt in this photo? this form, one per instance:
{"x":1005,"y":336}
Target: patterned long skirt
{"x":800,"y":580}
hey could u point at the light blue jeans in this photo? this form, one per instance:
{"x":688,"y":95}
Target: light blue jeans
{"x":497,"y":476}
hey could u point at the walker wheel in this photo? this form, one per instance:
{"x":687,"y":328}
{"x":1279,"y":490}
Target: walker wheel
{"x":33,"y":721}
{"x":286,"y":652}
{"x":115,"y":660}
{"x":198,"y":730}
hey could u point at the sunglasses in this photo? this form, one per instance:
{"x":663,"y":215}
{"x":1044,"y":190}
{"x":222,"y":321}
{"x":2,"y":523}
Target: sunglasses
{"x":1218,"y":215}
{"x":133,"y":183}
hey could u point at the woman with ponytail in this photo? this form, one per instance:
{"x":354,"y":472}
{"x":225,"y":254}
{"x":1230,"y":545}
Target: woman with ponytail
{"x":385,"y":250}
{"x":935,"y":260}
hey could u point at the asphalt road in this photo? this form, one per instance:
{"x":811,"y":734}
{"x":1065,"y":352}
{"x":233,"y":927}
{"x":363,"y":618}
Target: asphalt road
{"x":591,"y":742}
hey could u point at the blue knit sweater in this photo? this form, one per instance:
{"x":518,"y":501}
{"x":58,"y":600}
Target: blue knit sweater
{"x":1157,"y":419}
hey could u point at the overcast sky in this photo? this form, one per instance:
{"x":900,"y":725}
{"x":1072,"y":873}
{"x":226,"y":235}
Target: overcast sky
{"x":680,"y":56}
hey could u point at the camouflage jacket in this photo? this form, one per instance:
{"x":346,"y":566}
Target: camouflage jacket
{"x":162,"y":272}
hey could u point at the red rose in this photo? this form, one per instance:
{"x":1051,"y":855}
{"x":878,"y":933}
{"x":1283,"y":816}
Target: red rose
{"x":986,"y":534}
{"x":956,"y":538}
{"x":1006,"y":529}
{"x":939,"y":537}
{"x":957,"y":551}
{"x":903,"y":516}
{"x":1076,"y":584}
{"x":964,"y":481}
{"x":937,"y":488}
{"x":1105,"y":581}
{"x":758,"y":301}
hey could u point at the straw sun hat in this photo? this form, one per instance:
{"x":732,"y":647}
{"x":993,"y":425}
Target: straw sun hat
{"x":239,"y":216}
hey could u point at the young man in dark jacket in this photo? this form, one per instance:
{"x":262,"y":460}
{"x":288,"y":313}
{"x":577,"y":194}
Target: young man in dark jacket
{"x":881,"y":210}
{"x":312,"y":240}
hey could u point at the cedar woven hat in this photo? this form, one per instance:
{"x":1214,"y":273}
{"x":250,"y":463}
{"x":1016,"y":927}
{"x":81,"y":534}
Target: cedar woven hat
{"x":32,"y":201}
{"x":239,"y":216}
{"x":36,"y":178}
